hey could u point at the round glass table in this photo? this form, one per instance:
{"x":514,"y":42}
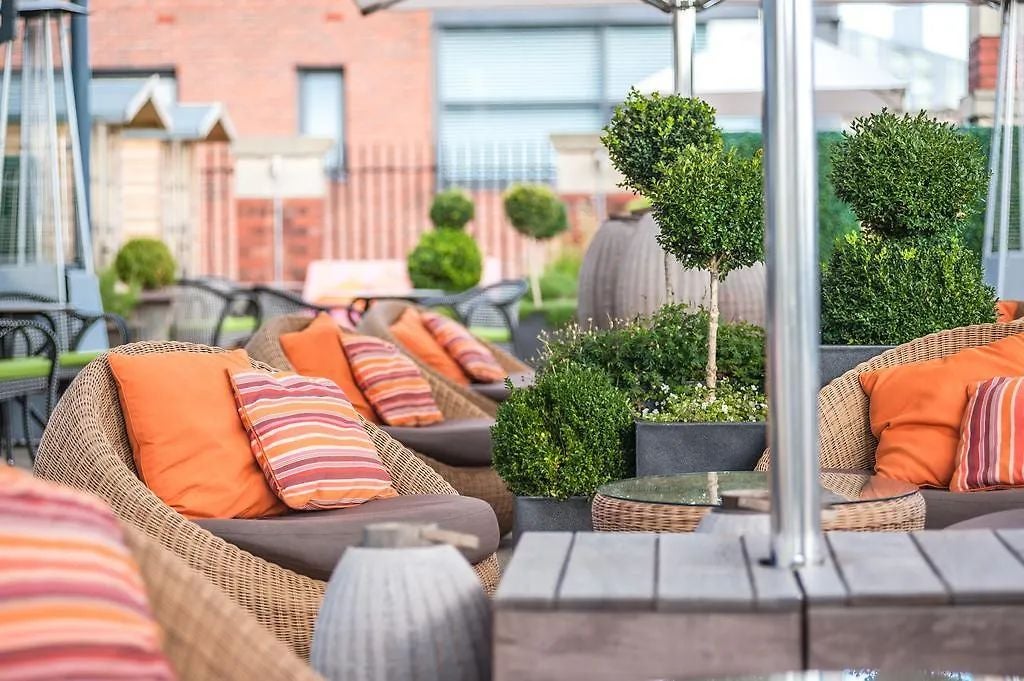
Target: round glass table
{"x":677,"y":503}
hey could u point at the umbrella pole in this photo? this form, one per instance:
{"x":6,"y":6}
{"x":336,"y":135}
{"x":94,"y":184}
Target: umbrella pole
{"x":684,"y":32}
{"x":791,"y":240}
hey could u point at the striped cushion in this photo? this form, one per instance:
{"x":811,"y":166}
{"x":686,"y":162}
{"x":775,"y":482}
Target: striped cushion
{"x":72,"y":601}
{"x":391,"y":382}
{"x":309,"y":441}
{"x":473,"y":356}
{"x":991,"y":451}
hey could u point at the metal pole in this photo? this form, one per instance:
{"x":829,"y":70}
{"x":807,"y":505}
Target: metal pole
{"x":51,"y":113}
{"x":684,"y":34}
{"x":27,"y":69}
{"x":81,"y":192}
{"x":791,"y":240}
{"x":995,"y":144}
{"x":81,"y":74}
{"x":1008,"y":47}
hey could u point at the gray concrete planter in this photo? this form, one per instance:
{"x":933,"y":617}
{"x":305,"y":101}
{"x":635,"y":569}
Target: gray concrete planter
{"x":836,"y":360}
{"x":152,"y":317}
{"x":528,"y":332}
{"x":674,"y":448}
{"x":544,"y":514}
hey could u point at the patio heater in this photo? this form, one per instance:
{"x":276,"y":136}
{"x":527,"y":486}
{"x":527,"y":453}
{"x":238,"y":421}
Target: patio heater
{"x":684,"y":33}
{"x":44,"y":225}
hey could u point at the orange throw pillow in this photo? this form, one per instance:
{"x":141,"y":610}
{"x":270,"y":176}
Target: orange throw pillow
{"x":316,"y":351}
{"x":1007,"y":311}
{"x":473,"y":356}
{"x":418,"y":341}
{"x":991,"y":453}
{"x":189,"y":444}
{"x":916,"y":409}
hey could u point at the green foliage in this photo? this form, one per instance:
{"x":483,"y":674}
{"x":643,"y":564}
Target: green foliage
{"x":452,"y":209}
{"x":145,"y":262}
{"x":667,"y":349}
{"x":561,"y":276}
{"x":535,"y":211}
{"x":877,"y":291}
{"x":564,"y":436}
{"x":118,"y":297}
{"x":446,"y":259}
{"x":694,"y":403}
{"x":709,"y":205}
{"x":647,"y":132}
{"x":909,"y":175}
{"x":558,"y":312}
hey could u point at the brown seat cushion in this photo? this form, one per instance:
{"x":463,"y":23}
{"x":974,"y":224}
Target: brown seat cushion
{"x":456,"y":442}
{"x":499,"y":392}
{"x":1002,"y":520}
{"x":311,"y":543}
{"x":945,"y":508}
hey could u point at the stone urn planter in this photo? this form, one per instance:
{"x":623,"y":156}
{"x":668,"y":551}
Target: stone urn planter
{"x":152,"y":317}
{"x":836,"y":360}
{"x":675,"y":448}
{"x":544,"y":514}
{"x":528,"y":333}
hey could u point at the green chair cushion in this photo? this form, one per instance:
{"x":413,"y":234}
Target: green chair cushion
{"x":238,"y":325}
{"x":78,"y":358}
{"x":491,"y":334}
{"x":19,"y":368}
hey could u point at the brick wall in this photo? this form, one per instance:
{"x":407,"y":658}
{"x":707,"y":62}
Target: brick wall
{"x":984,"y":63}
{"x":303,"y":225}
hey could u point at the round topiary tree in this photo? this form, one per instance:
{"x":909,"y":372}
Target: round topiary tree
{"x":447,"y":259}
{"x":535,"y":212}
{"x":452,"y":209}
{"x":564,"y":436}
{"x":147,"y":263}
{"x":709,"y":204}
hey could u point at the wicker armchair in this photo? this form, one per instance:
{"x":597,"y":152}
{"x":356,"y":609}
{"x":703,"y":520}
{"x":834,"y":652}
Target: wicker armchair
{"x":480,"y":482}
{"x":377,"y":322}
{"x":206,"y":636}
{"x":85,"y":446}
{"x":845,"y":428}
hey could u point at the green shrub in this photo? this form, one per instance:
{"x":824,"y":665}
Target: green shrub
{"x":695,"y":403}
{"x":566,"y":435}
{"x":876,"y":291}
{"x":558,"y":312}
{"x":446,"y":259}
{"x":667,"y":349}
{"x":909,"y":175}
{"x":452,"y":209}
{"x":146,"y":262}
{"x":561,"y":276}
{"x":118,"y":297}
{"x":535,"y":211}
{"x":648,"y":131}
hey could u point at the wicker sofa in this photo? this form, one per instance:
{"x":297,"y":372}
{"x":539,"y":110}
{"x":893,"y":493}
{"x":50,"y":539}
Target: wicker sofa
{"x":377,"y":322}
{"x":481,"y":482}
{"x":845,"y":429}
{"x":86,"y":446}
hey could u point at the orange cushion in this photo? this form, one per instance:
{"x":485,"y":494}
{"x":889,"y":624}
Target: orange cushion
{"x":1007,"y":311}
{"x":476,"y":360}
{"x":189,"y":444}
{"x":991,"y":452}
{"x":417,"y":340}
{"x":391,"y":381}
{"x":316,"y":351}
{"x":917,"y":409}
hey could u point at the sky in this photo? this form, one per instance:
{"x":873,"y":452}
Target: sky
{"x":938,"y":28}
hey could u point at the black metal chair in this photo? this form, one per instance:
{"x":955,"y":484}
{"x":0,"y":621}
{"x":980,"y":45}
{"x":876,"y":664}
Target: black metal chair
{"x":29,"y":367}
{"x":213,"y":312}
{"x":274,"y":302}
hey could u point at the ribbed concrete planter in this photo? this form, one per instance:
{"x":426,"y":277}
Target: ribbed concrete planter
{"x":836,"y":360}
{"x":544,"y":514}
{"x":528,"y":333}
{"x":674,"y":448}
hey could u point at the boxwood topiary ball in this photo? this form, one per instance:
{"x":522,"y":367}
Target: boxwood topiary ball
{"x":446,"y":259}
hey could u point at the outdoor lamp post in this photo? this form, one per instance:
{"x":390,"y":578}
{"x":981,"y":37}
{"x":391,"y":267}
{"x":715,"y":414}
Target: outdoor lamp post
{"x":684,"y":33}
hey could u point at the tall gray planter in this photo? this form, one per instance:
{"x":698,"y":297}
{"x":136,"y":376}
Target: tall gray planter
{"x":152,"y":317}
{"x":528,"y":333}
{"x":544,"y":514}
{"x":675,"y":448}
{"x":836,"y":360}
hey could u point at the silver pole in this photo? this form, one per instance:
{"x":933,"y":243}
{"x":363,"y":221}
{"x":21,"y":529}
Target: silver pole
{"x":791,"y":240}
{"x":51,"y":114}
{"x":27,"y":69}
{"x":995,"y":144}
{"x":84,"y":231}
{"x":1008,"y":45}
{"x":684,"y":34}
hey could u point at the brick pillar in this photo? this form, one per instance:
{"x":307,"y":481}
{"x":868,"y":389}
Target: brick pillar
{"x":979,"y":105}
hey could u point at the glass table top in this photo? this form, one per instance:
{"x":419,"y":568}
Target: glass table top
{"x":705,"y":489}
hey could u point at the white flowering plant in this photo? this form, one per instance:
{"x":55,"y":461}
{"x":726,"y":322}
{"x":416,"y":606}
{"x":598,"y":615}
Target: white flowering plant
{"x":696,"y":403}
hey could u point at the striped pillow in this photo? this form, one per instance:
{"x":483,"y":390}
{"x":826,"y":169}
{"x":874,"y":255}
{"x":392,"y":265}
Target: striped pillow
{"x":991,"y":451}
{"x":391,"y":382}
{"x":473,"y":356}
{"x":72,"y":601}
{"x":309,"y":441}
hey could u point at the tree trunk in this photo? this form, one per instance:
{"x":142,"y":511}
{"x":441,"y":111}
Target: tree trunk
{"x":534,"y":257}
{"x":711,"y":376}
{"x":670,"y":293}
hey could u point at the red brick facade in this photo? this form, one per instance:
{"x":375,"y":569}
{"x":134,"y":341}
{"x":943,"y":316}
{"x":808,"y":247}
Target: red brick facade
{"x":984,"y":64}
{"x":303,"y":223}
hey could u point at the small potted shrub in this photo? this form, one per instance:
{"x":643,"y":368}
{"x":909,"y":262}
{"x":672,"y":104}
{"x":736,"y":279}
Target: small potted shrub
{"x":452,"y":209}
{"x":913,"y":183}
{"x":448,"y":257}
{"x":535,"y":212}
{"x":557,"y":441}
{"x":146,"y":267}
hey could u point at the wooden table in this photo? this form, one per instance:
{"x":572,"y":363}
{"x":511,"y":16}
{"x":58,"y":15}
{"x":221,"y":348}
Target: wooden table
{"x":643,"y":606}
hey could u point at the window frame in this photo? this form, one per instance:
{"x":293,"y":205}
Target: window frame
{"x":336,"y":162}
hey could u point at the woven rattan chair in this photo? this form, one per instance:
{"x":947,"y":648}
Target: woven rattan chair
{"x":377,"y":322}
{"x":86,"y":446}
{"x":205,"y":635}
{"x":845,"y":428}
{"x":480,"y":482}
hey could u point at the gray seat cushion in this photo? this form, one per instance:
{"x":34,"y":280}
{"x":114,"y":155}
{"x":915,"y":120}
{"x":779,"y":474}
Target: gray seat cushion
{"x":312,"y":542}
{"x":945,"y":508}
{"x":456,"y":442}
{"x":1002,"y":520}
{"x":498,"y":391}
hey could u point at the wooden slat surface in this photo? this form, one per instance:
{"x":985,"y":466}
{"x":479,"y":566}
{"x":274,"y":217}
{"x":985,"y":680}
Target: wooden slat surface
{"x":703,"y":572}
{"x":532,"y":576}
{"x":975,"y":565}
{"x":1013,"y":539}
{"x":821,"y":583}
{"x":609,"y":571}
{"x":885,"y":567}
{"x":774,"y":589}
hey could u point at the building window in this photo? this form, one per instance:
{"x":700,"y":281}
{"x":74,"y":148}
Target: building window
{"x":322,"y":110}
